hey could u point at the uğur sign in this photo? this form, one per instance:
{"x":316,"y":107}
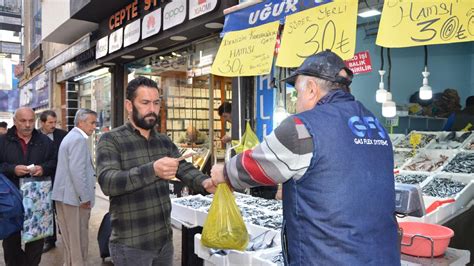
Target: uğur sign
{"x":360,"y":63}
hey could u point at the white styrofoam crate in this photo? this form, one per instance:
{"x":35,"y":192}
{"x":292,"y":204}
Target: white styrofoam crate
{"x":399,"y":164}
{"x":442,"y":135}
{"x":427,"y":174}
{"x":185,"y":213}
{"x":265,"y":258}
{"x":395,"y":138}
{"x":405,"y":142}
{"x":430,"y":154}
{"x":468,"y":143}
{"x":463,"y":197}
{"x":203,"y":253}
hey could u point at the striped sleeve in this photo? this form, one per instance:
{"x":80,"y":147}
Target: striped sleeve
{"x":286,"y":153}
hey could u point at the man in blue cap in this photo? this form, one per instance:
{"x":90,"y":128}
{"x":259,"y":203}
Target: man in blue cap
{"x":335,"y":161}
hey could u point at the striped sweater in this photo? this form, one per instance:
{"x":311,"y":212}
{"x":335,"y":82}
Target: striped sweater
{"x":286,"y":153}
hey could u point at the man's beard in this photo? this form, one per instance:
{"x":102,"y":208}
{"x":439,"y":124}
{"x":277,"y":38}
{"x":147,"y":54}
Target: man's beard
{"x":141,"y":122}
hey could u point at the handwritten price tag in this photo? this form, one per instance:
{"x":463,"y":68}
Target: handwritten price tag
{"x":330,"y":26}
{"x":246,"y":52}
{"x":406,"y":23}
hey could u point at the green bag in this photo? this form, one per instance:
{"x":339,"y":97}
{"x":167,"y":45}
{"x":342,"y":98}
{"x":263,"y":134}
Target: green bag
{"x":224,"y":227}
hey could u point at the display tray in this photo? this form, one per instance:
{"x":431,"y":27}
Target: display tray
{"x":429,"y":160}
{"x":449,"y":140}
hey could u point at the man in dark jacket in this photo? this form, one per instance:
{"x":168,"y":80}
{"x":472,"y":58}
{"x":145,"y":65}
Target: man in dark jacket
{"x":21,"y":147}
{"x":48,"y":120}
{"x":460,"y":120}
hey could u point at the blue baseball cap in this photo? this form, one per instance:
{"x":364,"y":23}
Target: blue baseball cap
{"x":324,"y":65}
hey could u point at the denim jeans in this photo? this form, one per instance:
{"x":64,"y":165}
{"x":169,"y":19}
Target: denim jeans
{"x":123,"y":255}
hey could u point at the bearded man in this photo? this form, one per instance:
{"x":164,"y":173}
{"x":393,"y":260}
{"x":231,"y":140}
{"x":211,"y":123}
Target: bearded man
{"x":134,"y":166}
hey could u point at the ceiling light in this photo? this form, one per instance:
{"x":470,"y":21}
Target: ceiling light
{"x":381,"y":94}
{"x":369,"y":13}
{"x":389,"y":109}
{"x":109,"y":64}
{"x":128,"y":56}
{"x":178,"y":38}
{"x":150,"y":48}
{"x":425,"y":91}
{"x":214,"y":25}
{"x":161,"y":57}
{"x":147,"y":66}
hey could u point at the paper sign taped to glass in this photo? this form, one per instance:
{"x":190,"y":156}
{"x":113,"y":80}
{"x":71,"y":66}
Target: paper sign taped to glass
{"x":38,"y":207}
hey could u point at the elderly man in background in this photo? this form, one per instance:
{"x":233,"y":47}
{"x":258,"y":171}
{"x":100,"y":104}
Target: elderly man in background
{"x":48,"y":120}
{"x":21,"y":147}
{"x":74,"y":188}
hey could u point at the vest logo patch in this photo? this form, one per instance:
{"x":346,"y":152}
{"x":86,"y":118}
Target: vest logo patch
{"x":368,"y":130}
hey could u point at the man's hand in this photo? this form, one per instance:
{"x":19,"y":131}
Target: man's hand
{"x":21,"y":170}
{"x":37,"y":170}
{"x":217,"y":174}
{"x":85,"y":205}
{"x":166,"y":167}
{"x":209,"y":186}
{"x":226,"y":139}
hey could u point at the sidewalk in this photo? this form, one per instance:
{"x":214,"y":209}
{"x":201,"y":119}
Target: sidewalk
{"x":55,"y":256}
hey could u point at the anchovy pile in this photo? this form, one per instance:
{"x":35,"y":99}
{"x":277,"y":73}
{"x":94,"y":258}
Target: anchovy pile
{"x":272,"y":205}
{"x":443,"y":188}
{"x":425,"y":139}
{"x":410,"y":178}
{"x":194,"y":202}
{"x":462,"y":163}
{"x":401,"y":157}
{"x":272,"y":221}
{"x":248,"y":212}
{"x":450,"y":141}
{"x":423,"y":162}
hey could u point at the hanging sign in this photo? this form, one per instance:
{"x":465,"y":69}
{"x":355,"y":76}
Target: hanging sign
{"x":151,"y":24}
{"x":331,"y":26}
{"x":413,"y":22}
{"x":360,"y":63}
{"x":265,"y":12}
{"x":101,"y":47}
{"x":131,"y":33}
{"x":198,"y":8}
{"x":246,"y":52}
{"x":115,"y":40}
{"x":174,"y":14}
{"x":265,"y":101}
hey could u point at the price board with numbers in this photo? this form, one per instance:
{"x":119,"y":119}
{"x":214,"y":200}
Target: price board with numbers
{"x":246,"y":52}
{"x":421,"y":22}
{"x":330,"y":26}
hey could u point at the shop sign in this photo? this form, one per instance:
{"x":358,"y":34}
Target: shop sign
{"x":83,"y":63}
{"x":131,"y":33}
{"x":206,"y":60}
{"x":245,"y":52}
{"x":174,"y":14}
{"x":35,"y":93}
{"x":115,"y":40}
{"x":151,"y":24}
{"x":414,"y":23}
{"x":101,"y":47}
{"x":265,"y":105}
{"x":265,"y":12}
{"x":18,"y":70}
{"x":360,"y":63}
{"x":330,"y":26}
{"x":200,"y":7}
{"x":10,"y":47}
{"x":73,"y":50}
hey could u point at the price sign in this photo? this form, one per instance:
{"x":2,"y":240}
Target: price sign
{"x":246,"y":52}
{"x":406,"y":23}
{"x":330,"y":26}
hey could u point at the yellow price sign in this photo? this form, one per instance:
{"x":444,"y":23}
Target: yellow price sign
{"x":246,"y":52}
{"x":415,"y":140}
{"x":406,"y":23}
{"x":329,"y":26}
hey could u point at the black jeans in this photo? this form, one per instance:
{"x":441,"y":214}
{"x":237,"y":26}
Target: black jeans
{"x":15,"y":256}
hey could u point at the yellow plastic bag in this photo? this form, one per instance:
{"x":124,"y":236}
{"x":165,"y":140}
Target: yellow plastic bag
{"x":249,"y":140}
{"x":224,"y":227}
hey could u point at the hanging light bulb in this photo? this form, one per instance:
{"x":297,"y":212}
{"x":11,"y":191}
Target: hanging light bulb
{"x":381,"y":93}
{"x":389,"y":109}
{"x":425,"y":91}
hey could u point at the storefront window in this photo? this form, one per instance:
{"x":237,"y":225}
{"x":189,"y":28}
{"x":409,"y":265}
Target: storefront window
{"x":191,"y":96}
